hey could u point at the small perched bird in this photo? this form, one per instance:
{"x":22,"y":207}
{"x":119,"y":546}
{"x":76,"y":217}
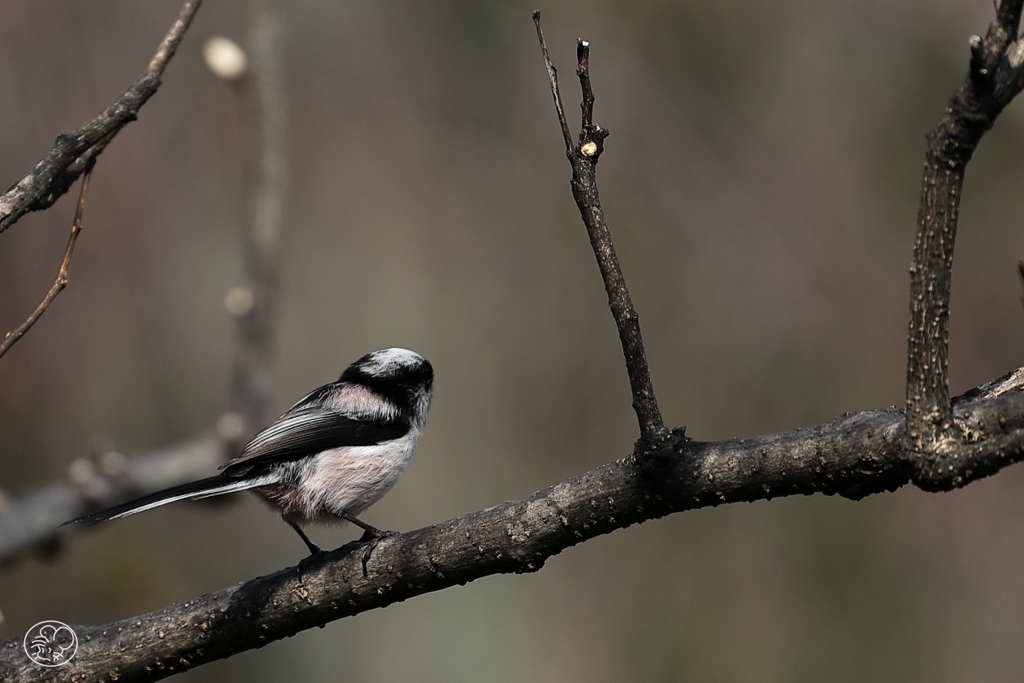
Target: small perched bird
{"x":331,"y":455}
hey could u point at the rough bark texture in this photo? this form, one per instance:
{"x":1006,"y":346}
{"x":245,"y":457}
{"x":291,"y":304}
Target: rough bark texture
{"x":993,"y":80}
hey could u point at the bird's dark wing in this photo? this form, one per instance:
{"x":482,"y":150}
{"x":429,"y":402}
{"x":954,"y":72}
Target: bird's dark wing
{"x":303,"y":432}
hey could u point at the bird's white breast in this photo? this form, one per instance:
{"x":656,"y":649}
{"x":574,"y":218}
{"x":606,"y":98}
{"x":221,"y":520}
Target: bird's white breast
{"x":344,"y":481}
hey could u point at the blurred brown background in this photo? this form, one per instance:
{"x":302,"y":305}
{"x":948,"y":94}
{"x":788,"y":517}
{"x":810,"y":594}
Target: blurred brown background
{"x":761,"y":182}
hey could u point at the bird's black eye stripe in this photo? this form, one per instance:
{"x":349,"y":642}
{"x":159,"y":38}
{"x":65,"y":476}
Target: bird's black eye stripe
{"x":399,"y":388}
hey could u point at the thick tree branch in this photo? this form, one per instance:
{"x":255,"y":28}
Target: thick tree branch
{"x":61,"y":281}
{"x":583,"y":158}
{"x":55,"y":174}
{"x":994,"y":78}
{"x":853,"y":456}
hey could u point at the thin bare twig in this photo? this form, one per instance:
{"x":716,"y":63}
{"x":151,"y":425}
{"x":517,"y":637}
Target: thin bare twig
{"x":59,"y":169}
{"x":62,"y":273}
{"x":995,"y":77}
{"x":583,"y":72}
{"x":169,"y":45}
{"x":583,"y":158}
{"x":553,"y":80}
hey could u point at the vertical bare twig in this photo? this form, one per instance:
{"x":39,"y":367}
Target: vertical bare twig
{"x":583,"y":72}
{"x":252,"y":380}
{"x":991,"y":83}
{"x":62,"y":274}
{"x":583,"y":159}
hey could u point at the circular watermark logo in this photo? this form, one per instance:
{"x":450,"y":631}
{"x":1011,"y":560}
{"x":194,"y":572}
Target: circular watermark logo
{"x":51,"y":643}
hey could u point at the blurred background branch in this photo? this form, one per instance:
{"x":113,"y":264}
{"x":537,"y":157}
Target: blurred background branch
{"x":255,"y":304}
{"x":29,"y":523}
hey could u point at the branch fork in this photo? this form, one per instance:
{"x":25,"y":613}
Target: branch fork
{"x":933,"y":438}
{"x":61,"y":281}
{"x":583,"y":158}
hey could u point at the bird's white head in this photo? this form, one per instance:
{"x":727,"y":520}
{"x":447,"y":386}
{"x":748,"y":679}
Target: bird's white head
{"x":388,"y":362}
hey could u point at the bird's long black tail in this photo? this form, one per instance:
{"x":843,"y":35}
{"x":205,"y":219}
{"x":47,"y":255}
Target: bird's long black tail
{"x":211,"y":486}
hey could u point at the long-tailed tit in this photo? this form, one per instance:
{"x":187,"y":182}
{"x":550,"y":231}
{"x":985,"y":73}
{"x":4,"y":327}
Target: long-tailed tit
{"x":331,"y":455}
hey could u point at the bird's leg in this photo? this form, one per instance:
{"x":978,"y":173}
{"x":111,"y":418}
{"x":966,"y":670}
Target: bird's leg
{"x":369,"y":540}
{"x":314,"y":549}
